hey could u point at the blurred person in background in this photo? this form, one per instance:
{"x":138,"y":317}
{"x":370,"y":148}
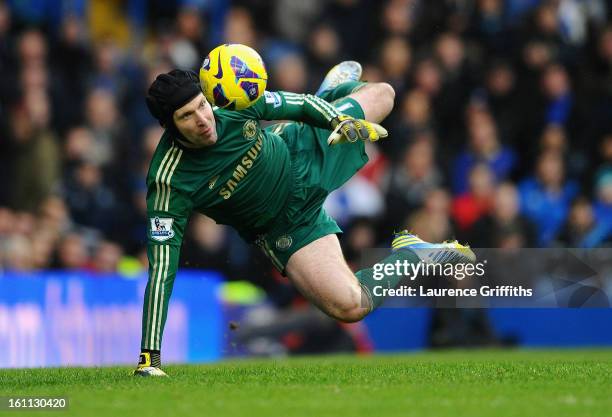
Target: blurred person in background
{"x":488,"y":24}
{"x":557,"y":90}
{"x":546,"y":197}
{"x":581,"y":229}
{"x":104,"y":122}
{"x":111,"y":145}
{"x":427,"y":78}
{"x":413,"y":118}
{"x":107,"y":69}
{"x":554,"y":138}
{"x":484,"y":147}
{"x":207,"y":246}
{"x":106,"y":257}
{"x":433,"y":220}
{"x":34,"y":145}
{"x":505,"y":219}
{"x":477,"y":202}
{"x":18,"y":254}
{"x":407,"y":184}
{"x":72,"y":252}
{"x":191,"y":27}
{"x":90,"y":202}
{"x":240,"y":28}
{"x":79,"y":145}
{"x":500,"y":88}
{"x":395,"y":61}
{"x":289,"y":72}
{"x":42,"y":246}
{"x":53,"y":216}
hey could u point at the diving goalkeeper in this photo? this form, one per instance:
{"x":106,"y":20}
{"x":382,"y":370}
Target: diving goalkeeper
{"x":270,"y":185}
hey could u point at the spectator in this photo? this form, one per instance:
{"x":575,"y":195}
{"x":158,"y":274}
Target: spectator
{"x":395,"y":61}
{"x":504,"y":223}
{"x":432,"y":222}
{"x":470,"y":207}
{"x":555,"y":83}
{"x":546,"y":197}
{"x":289,"y":72}
{"x":581,"y":229}
{"x":34,"y":145}
{"x":72,"y":252}
{"x":415,"y":116}
{"x":207,"y":246}
{"x":484,"y":147}
{"x":502,"y":100}
{"x":239,"y":27}
{"x":408,"y":184}
{"x":90,"y":202}
{"x":106,"y":257}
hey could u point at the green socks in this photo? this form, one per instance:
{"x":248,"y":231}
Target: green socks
{"x":342,"y":90}
{"x":377,"y":275}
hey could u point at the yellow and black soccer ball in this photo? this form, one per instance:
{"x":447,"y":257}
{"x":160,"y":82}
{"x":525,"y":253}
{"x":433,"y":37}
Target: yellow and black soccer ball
{"x":233,"y":76}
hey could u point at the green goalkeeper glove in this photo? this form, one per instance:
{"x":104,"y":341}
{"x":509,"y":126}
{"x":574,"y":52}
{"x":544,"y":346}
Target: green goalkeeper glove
{"x":348,"y":129}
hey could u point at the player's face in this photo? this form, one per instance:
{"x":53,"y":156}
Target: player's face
{"x":196,"y":121}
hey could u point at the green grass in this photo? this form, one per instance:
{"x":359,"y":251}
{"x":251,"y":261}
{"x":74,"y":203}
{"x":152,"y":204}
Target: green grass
{"x":465,"y":383}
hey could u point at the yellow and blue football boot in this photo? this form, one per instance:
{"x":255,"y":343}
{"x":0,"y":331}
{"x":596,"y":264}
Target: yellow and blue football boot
{"x":341,"y":73}
{"x":440,"y":253}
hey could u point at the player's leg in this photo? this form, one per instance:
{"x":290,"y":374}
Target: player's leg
{"x":321,"y":274}
{"x":376,"y":101}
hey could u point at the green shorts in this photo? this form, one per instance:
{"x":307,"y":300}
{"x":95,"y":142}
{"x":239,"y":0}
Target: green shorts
{"x":317,"y":170}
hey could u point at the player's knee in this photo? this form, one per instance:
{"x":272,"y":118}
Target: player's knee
{"x":352,"y":315}
{"x":349,"y":309}
{"x":385,"y":97}
{"x":387,"y":91}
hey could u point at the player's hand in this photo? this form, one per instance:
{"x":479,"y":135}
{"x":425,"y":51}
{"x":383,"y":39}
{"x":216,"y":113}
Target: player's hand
{"x":348,"y":129}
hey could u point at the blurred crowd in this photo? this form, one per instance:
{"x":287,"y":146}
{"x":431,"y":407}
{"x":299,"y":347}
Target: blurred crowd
{"x":501,"y":135}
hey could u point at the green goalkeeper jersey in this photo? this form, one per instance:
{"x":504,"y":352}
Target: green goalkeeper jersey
{"x":242,"y":181}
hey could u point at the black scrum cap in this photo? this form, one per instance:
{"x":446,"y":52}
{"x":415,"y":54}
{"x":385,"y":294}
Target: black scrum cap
{"x":170,"y":92}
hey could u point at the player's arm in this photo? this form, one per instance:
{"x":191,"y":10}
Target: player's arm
{"x":168,"y":212}
{"x":317,"y":112}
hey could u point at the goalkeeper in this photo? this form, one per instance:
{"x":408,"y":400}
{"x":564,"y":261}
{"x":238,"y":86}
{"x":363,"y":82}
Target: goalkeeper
{"x":268,"y":184}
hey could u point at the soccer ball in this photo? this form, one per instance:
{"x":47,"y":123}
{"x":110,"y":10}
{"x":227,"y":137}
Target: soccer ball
{"x":233,"y":76}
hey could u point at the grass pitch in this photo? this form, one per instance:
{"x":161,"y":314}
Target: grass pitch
{"x":466,"y":383}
